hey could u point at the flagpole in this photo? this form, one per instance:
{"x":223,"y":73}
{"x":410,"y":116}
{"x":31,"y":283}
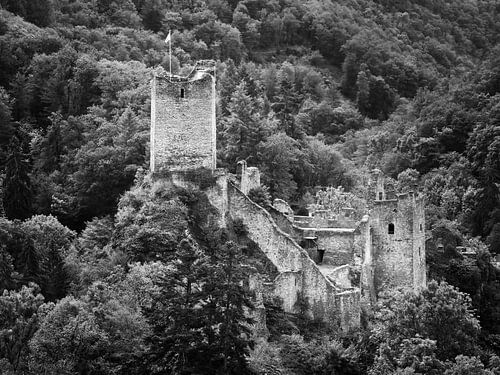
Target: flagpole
{"x":170,"y":52}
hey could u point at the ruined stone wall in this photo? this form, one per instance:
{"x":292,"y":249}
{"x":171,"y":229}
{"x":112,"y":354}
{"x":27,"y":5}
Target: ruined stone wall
{"x":338,"y":246}
{"x":218,"y":195}
{"x":376,"y":191}
{"x":419,"y":263}
{"x":392,"y":253}
{"x":182,"y":124}
{"x":250,"y":179}
{"x":285,"y":224}
{"x":283,"y":207}
{"x":349,"y":306}
{"x":362,"y":239}
{"x":341,"y":222}
{"x":364,"y":253}
{"x":342,"y":276}
{"x":298,"y":274}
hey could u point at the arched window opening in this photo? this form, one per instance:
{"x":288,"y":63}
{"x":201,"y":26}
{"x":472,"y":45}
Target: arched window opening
{"x":182,"y":93}
{"x":380,"y":195}
{"x":390,"y":229}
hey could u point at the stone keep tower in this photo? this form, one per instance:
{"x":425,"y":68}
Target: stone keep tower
{"x":397,"y":224}
{"x":183,"y":120}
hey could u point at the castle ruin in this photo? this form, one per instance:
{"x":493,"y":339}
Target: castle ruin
{"x":339,"y":257}
{"x":183,"y":135}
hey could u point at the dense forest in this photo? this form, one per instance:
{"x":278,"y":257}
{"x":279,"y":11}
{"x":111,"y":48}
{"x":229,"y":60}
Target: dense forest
{"x":106,"y":271}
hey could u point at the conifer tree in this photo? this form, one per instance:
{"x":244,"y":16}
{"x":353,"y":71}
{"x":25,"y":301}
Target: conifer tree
{"x":243,"y":130}
{"x":226,"y":307}
{"x":227,"y":83}
{"x":17,"y":195}
{"x":6,"y":269}
{"x":198,"y":318}
{"x":287,"y":103}
{"x":280,"y":155}
{"x":176,"y":316}
{"x":56,"y":283}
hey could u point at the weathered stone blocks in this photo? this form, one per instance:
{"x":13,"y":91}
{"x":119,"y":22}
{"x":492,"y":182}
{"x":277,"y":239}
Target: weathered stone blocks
{"x":298,"y":274}
{"x":182,"y":123}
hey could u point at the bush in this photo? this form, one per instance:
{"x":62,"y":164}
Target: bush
{"x":260,"y":196}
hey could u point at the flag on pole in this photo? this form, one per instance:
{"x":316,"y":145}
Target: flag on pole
{"x":168,"y":37}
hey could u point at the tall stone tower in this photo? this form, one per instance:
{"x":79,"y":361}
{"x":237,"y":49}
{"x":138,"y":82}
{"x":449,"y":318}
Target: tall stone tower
{"x":183,"y":129}
{"x":397,"y":223}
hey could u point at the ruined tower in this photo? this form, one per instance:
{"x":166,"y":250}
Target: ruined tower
{"x":250,"y":177}
{"x":183,"y":124}
{"x":397,"y":223}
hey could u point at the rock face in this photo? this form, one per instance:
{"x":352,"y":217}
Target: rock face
{"x":183,"y":120}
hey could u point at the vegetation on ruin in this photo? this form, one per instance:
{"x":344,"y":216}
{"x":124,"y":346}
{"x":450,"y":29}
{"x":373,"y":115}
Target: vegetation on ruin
{"x":95,"y":257}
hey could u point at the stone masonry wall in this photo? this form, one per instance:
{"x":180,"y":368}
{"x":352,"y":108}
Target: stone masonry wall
{"x":218,"y":195}
{"x":250,"y":179}
{"x":182,"y":128}
{"x":298,"y":274}
{"x":392,"y":253}
{"x":342,"y":276}
{"x":363,"y":253}
{"x":338,"y":246}
{"x":419,"y":263}
{"x":285,"y":224}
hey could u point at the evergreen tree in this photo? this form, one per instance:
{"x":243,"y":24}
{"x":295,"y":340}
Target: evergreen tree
{"x":242,"y":130}
{"x":280,"y":155}
{"x":56,"y":278}
{"x":227,"y":83}
{"x":287,"y":102}
{"x":6,"y":126}
{"x":226,"y":304}
{"x":6,"y":269}
{"x":17,"y":195}
{"x":198,"y":318}
{"x":178,"y":340}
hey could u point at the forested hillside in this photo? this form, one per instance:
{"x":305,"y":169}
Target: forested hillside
{"x":314,"y":93}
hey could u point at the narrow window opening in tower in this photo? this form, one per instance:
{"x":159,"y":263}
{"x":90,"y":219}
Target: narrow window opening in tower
{"x":420,"y":227}
{"x":380,"y":195}
{"x":321,"y":254}
{"x":390,"y":229}
{"x":182,"y":93}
